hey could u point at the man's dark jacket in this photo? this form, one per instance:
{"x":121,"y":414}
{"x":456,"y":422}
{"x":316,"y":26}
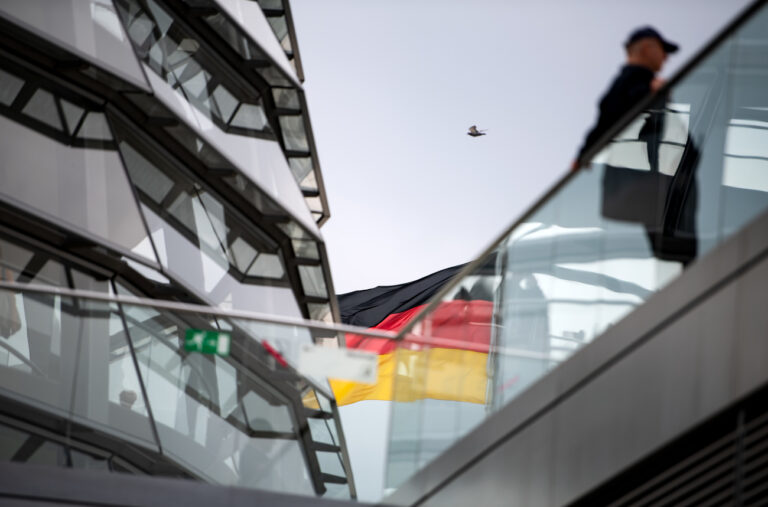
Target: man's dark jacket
{"x":631,"y":85}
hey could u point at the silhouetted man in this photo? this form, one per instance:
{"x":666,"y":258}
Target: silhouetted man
{"x":647,"y":51}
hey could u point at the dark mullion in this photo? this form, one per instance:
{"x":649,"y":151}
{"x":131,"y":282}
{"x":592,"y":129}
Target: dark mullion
{"x":60,"y":112}
{"x":27,"y":90}
{"x":28,"y":448}
{"x":234,"y":113}
{"x":32,"y":268}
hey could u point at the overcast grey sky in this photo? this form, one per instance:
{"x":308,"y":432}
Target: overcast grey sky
{"x":392,"y":87}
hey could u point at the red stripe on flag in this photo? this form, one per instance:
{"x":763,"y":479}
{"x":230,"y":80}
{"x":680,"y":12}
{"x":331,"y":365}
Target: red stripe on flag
{"x":458,"y":324}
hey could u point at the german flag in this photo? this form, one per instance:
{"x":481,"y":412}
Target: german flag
{"x":447,"y":362}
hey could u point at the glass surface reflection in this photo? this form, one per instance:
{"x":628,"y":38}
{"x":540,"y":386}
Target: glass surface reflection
{"x":118,"y":377}
{"x":681,"y":178}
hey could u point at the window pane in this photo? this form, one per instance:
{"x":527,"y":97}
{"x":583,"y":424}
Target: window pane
{"x":91,"y":26}
{"x":9,"y":87}
{"x":287,"y":98}
{"x":293,"y":133}
{"x":43,"y":108}
{"x":72,"y":114}
{"x":313,"y":281}
{"x":86,"y":188}
{"x":267,"y":265}
{"x":249,"y":116}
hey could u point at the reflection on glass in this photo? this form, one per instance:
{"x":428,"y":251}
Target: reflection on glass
{"x":212,"y":414}
{"x":294,"y":136}
{"x":286,"y":98}
{"x":78,"y":181}
{"x":312,"y":281}
{"x":90,"y":27}
{"x":9,"y":87}
{"x":107,"y":391}
{"x":201,"y":239}
{"x":175,"y":54}
{"x":42,"y":107}
{"x":305,"y":249}
{"x":677,"y":181}
{"x":247,"y":419}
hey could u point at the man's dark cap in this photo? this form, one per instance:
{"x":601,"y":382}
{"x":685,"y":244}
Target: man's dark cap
{"x":648,"y":31}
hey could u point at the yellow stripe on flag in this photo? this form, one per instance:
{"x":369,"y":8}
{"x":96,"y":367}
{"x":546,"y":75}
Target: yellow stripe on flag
{"x":437,"y":373}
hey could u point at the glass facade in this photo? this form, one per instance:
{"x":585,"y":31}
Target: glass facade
{"x":287,"y":102}
{"x":125,"y":371}
{"x":141,"y":157}
{"x":679,"y":179}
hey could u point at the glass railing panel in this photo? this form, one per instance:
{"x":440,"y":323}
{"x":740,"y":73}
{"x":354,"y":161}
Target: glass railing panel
{"x":107,"y":392}
{"x":680,"y":178}
{"x":37,"y":366}
{"x":216,"y":395}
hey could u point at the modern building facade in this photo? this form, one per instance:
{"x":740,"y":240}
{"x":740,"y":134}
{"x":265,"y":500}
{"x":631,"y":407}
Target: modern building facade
{"x":162,"y":150}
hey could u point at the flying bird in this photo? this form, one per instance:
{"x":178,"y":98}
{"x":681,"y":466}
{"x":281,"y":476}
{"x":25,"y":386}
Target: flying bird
{"x":474,"y":132}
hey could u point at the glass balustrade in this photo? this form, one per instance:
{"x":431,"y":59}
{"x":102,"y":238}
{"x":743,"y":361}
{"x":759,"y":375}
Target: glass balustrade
{"x":126,"y":384}
{"x":683,"y":176}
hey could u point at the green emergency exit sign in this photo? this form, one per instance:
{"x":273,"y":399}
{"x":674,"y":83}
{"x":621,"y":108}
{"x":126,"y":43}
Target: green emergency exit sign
{"x":207,"y":342}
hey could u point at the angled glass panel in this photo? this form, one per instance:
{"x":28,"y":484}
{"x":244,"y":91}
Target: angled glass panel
{"x":259,"y":160}
{"x":267,"y":265}
{"x":72,"y":115}
{"x":320,"y":429}
{"x":261,"y":415}
{"x":314,"y":203}
{"x":95,"y":127}
{"x":192,"y":263}
{"x":330,"y":463}
{"x":202,"y":241}
{"x":107,"y":391}
{"x":305,"y":249}
{"x":273,"y":5}
{"x":175,"y":55}
{"x":42,"y":106}
{"x":88,"y":28}
{"x":225,"y":101}
{"x":274,"y":77}
{"x":301,"y":167}
{"x":83,"y":188}
{"x":212,"y":414}
{"x":233,"y":415}
{"x":313,"y":281}
{"x":10,"y":86}
{"x":280,"y":27}
{"x":242,"y":254}
{"x":40,"y":340}
{"x":293,"y":133}
{"x":250,"y":117}
{"x":251,"y":23}
{"x":286,"y":98}
{"x":148,"y":179}
{"x":309,"y":183}
{"x":320,"y":311}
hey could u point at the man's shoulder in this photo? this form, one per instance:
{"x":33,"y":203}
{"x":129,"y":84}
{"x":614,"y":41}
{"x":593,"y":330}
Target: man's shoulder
{"x":629,"y":77}
{"x":634,"y":74}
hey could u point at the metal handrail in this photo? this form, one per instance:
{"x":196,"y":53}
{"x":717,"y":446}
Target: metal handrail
{"x":177,"y":306}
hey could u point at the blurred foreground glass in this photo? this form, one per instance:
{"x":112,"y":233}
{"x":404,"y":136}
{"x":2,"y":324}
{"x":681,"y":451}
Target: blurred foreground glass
{"x":680,"y":179}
